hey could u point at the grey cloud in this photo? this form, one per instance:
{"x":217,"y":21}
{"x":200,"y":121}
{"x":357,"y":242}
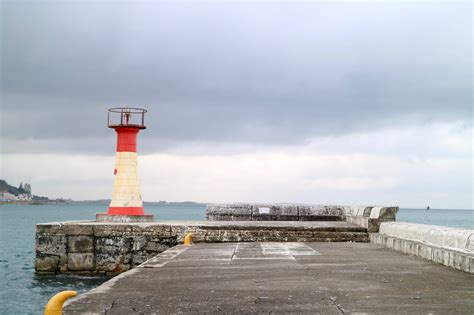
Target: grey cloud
{"x":235,"y":72}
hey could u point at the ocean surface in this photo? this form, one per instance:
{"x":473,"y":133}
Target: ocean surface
{"x":23,"y":292}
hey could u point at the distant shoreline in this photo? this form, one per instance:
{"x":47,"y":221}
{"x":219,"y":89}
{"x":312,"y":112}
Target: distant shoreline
{"x":47,"y":202}
{"x":33,"y":203}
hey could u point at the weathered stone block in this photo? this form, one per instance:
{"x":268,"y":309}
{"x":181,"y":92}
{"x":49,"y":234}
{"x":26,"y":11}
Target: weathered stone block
{"x":363,"y":211}
{"x":51,"y":244}
{"x":65,"y":228}
{"x":373,"y":225}
{"x":73,"y":229}
{"x":140,"y":259}
{"x":318,"y":210}
{"x":229,"y":212}
{"x":46,"y":264}
{"x":108,"y":262}
{"x":113,"y":245}
{"x":155,"y":247}
{"x":111,"y":253}
{"x":358,"y":211}
{"x":265,"y":212}
{"x":111,"y":230}
{"x":168,"y":241}
{"x":384,"y":213}
{"x":139,"y":242}
{"x":162,"y":230}
{"x":179,"y":231}
{"x":321,"y":218}
{"x":49,"y":228}
{"x":119,"y":268}
{"x":470,"y":242}
{"x":80,"y":244}
{"x":63,"y":262}
{"x":80,"y":262}
{"x":360,"y":221}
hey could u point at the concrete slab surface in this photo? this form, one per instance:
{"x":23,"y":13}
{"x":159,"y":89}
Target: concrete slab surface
{"x":316,"y":278}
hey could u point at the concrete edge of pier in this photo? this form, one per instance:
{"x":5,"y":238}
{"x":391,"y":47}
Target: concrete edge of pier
{"x":452,"y":247}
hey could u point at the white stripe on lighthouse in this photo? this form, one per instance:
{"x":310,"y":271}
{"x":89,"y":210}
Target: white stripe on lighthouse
{"x":126,"y":188}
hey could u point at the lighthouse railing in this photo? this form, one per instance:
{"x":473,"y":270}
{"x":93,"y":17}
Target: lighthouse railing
{"x":126,"y":117}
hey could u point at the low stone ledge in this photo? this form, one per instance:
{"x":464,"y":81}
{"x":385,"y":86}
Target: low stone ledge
{"x":67,"y":227}
{"x":451,"y":247}
{"x":383,"y":213}
{"x":358,"y":211}
{"x":225,"y":212}
{"x":368,"y":217}
{"x":270,"y":212}
{"x":442,"y":236}
{"x":273,"y":212}
{"x":320,"y":213}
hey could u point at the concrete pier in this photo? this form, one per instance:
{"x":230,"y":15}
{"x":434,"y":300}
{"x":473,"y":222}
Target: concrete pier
{"x":266,"y":258}
{"x":111,"y":248}
{"x":316,"y":278}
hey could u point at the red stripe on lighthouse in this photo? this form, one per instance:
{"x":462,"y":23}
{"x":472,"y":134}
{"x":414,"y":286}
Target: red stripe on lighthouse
{"x":126,"y":211}
{"x":127,"y":139}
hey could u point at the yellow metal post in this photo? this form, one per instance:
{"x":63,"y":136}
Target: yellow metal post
{"x":188,"y":239}
{"x":55,"y":304}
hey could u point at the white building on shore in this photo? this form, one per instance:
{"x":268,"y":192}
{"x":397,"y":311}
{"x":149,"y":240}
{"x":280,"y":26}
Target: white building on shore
{"x":7,"y":196}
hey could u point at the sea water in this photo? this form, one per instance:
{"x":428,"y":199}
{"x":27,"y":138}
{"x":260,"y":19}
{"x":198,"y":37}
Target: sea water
{"x":24,"y":292}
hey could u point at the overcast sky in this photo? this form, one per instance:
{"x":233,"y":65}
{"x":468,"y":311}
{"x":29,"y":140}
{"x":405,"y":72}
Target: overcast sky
{"x":314,"y":102}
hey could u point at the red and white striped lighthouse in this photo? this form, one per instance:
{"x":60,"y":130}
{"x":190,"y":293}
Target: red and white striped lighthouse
{"x":126,"y":204}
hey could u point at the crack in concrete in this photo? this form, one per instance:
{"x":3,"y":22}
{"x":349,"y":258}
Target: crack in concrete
{"x":233,"y":253}
{"x":111,"y":306}
{"x":333,"y":302}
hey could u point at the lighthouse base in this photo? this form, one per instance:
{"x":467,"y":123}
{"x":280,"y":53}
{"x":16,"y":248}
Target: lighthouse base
{"x":120,"y":218}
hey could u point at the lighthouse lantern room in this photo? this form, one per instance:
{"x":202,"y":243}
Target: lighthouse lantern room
{"x":126,"y":204}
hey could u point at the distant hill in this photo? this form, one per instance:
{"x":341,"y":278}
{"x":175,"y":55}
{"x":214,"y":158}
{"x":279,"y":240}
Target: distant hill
{"x":21,"y":193}
{"x":26,"y":189}
{"x":4,"y":186}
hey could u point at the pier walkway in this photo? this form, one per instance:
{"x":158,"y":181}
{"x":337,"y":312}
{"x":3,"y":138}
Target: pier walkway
{"x":273,"y":277}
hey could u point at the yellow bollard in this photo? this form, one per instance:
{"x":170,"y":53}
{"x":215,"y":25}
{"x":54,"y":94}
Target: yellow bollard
{"x":188,"y":239}
{"x":55,"y":304}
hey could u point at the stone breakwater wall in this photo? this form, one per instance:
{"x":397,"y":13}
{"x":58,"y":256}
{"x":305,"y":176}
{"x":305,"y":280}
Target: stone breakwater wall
{"x":453,"y":247}
{"x":111,"y":248}
{"x":106,"y":249}
{"x":368,"y":217}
